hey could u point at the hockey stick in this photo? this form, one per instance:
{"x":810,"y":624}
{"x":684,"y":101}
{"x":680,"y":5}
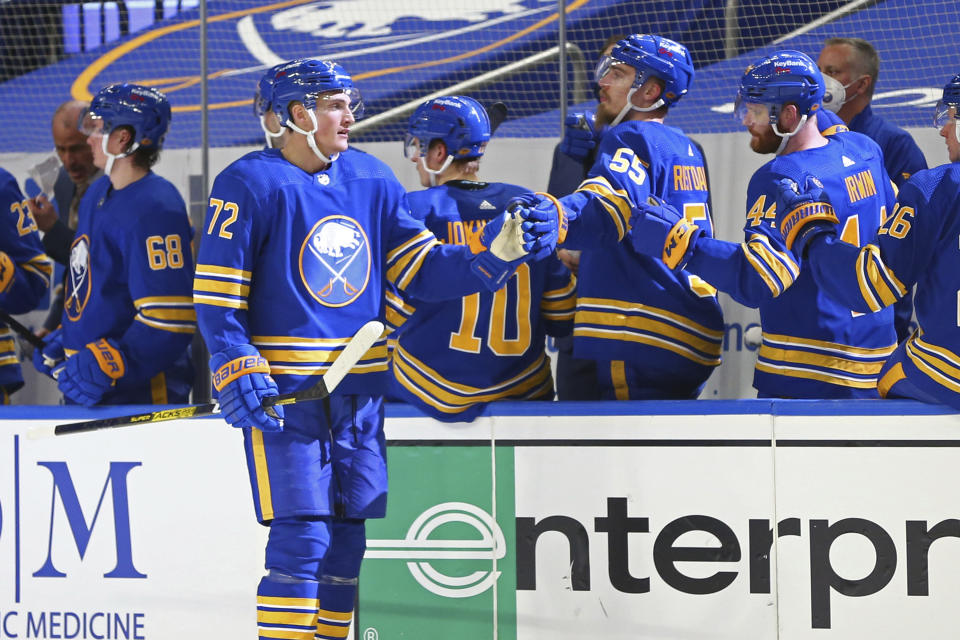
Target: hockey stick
{"x":360,"y":343}
{"x":21,"y":330}
{"x":497,"y":113}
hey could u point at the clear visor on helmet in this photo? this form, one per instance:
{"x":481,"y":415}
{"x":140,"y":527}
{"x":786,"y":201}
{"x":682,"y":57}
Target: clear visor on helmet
{"x":751,"y":113}
{"x":411,"y":147}
{"x":349,"y":98}
{"x":90,"y":124}
{"x":603,"y":67}
{"x":944,"y":113}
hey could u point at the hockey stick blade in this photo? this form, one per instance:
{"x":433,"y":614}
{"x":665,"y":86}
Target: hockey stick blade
{"x":497,"y":113}
{"x":359,"y":344}
{"x":27,"y":335}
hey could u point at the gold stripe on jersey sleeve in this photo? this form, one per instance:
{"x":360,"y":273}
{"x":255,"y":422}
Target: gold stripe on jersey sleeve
{"x":942,"y":362}
{"x":873,"y":277}
{"x":395,"y":271}
{"x":40,"y":265}
{"x":414,"y":266}
{"x":615,"y":201}
{"x":761,"y":270}
{"x":216,"y":270}
{"x":219,"y":286}
{"x":406,"y":246}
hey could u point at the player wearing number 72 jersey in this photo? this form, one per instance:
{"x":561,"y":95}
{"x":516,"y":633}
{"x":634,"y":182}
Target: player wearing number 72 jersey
{"x":654,"y":332}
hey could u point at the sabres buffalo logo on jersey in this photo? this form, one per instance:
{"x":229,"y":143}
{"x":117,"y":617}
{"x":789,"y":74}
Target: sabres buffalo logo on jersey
{"x":335,"y":261}
{"x":78,"y":282}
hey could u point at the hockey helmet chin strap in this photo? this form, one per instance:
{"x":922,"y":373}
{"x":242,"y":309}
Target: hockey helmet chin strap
{"x":435,"y":172}
{"x":310,"y":141}
{"x":785,"y":136}
{"x":267,"y":134}
{"x":630,"y":106}
{"x":112,"y":157}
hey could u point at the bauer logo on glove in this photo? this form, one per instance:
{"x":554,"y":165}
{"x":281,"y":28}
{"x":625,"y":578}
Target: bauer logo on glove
{"x":109,"y":358}
{"x":802,"y":214}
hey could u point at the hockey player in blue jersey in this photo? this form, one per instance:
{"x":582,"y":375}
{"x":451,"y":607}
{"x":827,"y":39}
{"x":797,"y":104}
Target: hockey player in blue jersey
{"x":453,"y":357}
{"x":297,"y":249}
{"x":655,"y":332}
{"x":917,"y":244}
{"x":850,"y":67}
{"x":128,"y":315}
{"x":812,"y":346}
{"x":25,"y":273}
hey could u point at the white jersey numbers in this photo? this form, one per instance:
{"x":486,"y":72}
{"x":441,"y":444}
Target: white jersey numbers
{"x":626,"y":161}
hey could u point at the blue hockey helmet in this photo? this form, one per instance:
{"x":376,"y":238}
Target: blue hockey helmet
{"x":263,"y":96}
{"x":950,"y":98}
{"x":780,"y":78}
{"x":305,"y":79}
{"x":460,"y":122}
{"x":145,"y":110}
{"x":652,"y":56}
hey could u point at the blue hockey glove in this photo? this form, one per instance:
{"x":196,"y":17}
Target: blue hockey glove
{"x":242,"y":378}
{"x":660,"y":231}
{"x":579,"y":137}
{"x":803,"y":215}
{"x":503,"y":241}
{"x":51,"y":355}
{"x":544,"y":225}
{"x":90,"y":372}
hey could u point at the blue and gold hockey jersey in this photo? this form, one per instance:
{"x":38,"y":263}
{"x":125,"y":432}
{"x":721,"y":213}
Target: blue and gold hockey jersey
{"x":919,"y":243}
{"x":631,"y":307}
{"x":294,"y":263}
{"x":452,"y":358}
{"x":129,"y":279}
{"x":24,"y":273}
{"x":812,"y":346}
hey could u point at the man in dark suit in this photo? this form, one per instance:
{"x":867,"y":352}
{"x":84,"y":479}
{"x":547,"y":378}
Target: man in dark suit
{"x":58,"y":219}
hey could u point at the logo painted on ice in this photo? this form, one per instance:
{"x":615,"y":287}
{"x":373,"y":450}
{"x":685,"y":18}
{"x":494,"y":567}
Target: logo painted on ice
{"x":419,"y":547}
{"x":335,"y":261}
{"x":366,"y":18}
